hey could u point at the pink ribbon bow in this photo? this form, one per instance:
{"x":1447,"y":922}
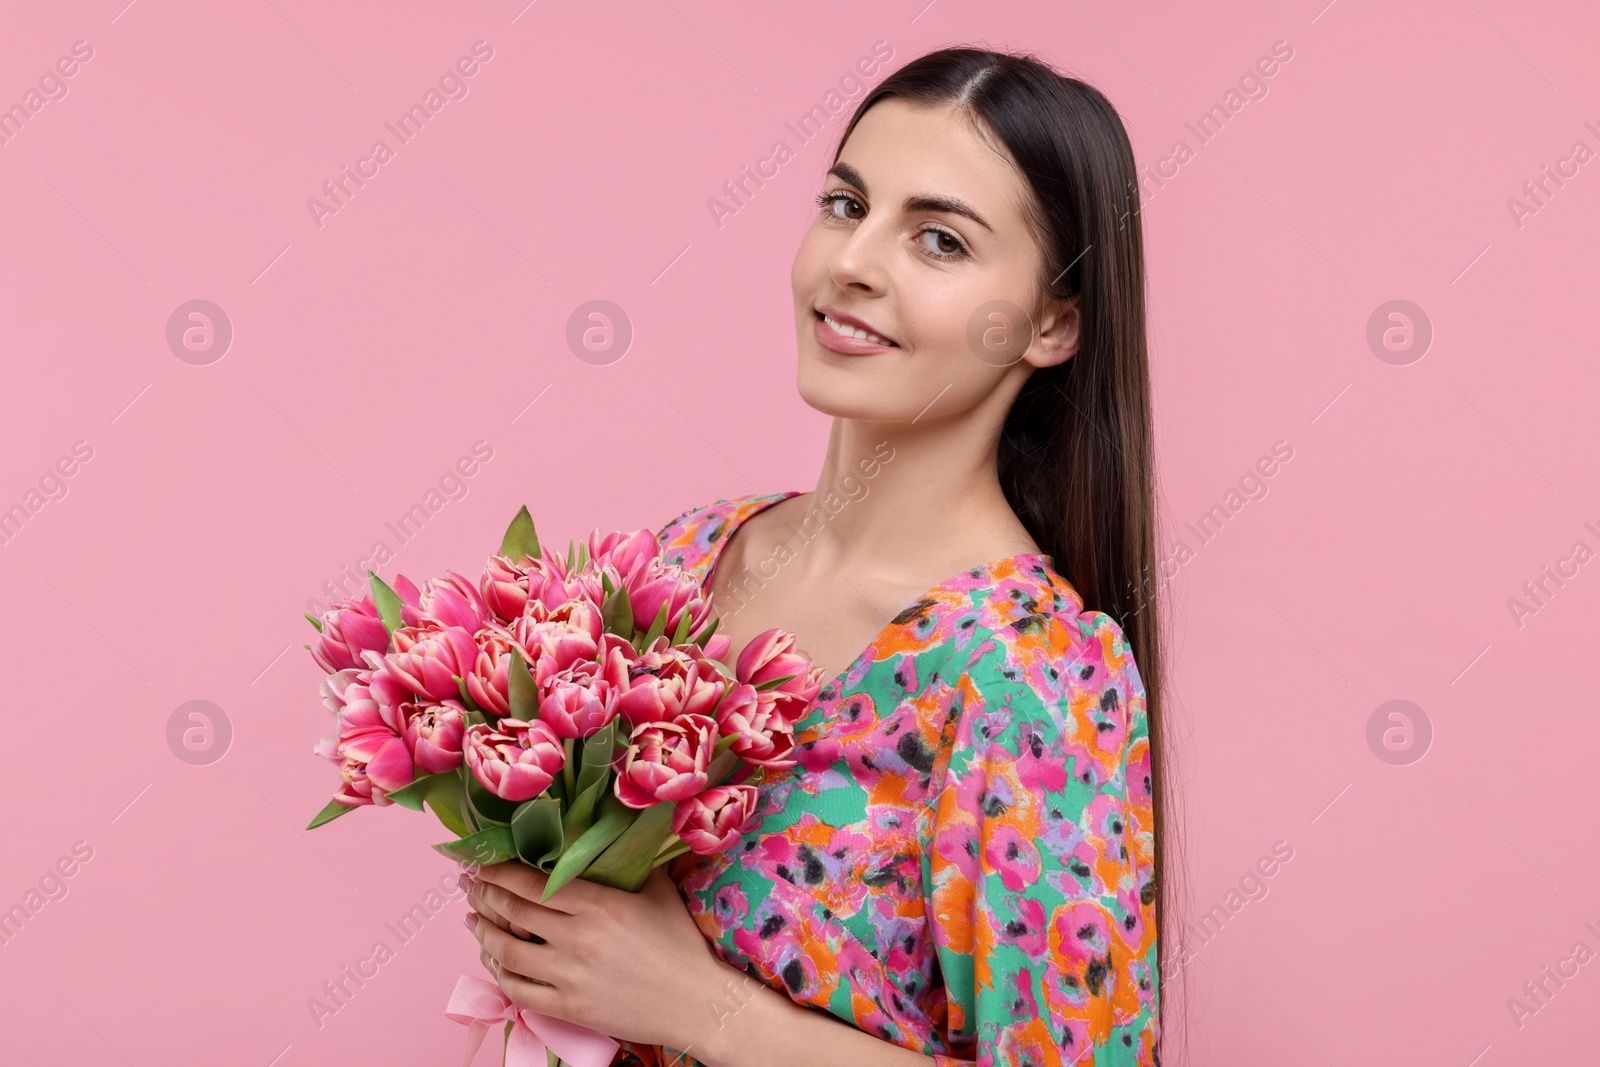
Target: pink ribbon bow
{"x":478,"y":1004}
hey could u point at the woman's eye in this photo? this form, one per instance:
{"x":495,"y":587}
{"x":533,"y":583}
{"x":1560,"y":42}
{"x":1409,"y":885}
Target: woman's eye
{"x":846,"y":208}
{"x":943,"y":244}
{"x":832,"y":202}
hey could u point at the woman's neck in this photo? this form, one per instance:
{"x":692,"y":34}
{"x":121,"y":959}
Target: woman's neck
{"x":912,"y":499}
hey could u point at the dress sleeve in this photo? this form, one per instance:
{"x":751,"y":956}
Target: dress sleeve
{"x":666,"y":530}
{"x":1040,"y":862}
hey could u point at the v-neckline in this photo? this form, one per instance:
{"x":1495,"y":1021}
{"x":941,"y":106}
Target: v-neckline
{"x":836,"y":685}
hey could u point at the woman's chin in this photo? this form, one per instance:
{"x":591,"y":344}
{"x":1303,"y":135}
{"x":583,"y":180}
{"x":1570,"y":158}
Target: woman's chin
{"x":858,"y":405}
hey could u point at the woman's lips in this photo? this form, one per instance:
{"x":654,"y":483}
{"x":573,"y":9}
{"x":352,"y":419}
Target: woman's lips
{"x":846,"y":346}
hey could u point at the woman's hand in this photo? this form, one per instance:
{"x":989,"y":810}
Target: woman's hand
{"x":631,"y":965}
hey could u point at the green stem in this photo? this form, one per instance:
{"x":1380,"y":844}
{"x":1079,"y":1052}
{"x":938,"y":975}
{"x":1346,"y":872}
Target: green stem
{"x":670,"y":854}
{"x":466,"y":803}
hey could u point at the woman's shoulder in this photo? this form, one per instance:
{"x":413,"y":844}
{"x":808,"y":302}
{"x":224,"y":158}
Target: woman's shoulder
{"x":688,"y":539}
{"x":1042,"y":652}
{"x":1050,"y":699}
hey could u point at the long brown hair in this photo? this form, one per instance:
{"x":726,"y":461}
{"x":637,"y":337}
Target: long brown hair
{"x":1076,"y":457}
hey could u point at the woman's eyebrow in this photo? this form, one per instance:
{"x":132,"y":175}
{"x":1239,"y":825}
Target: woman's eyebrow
{"x":846,"y":173}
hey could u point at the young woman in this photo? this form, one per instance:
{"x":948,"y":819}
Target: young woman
{"x":962,"y":867}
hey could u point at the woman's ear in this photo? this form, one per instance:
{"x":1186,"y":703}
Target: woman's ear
{"x":1059,"y":328}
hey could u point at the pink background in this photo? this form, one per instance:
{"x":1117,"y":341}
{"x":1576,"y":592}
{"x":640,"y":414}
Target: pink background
{"x":370,"y":353}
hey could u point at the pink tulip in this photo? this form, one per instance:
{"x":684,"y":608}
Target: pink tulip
{"x":429,"y":658}
{"x":654,"y":656}
{"x":624,"y":551}
{"x":666,"y":761}
{"x":572,"y":635}
{"x":771,"y":655}
{"x":361,"y":714}
{"x":372,"y":734}
{"x":381,"y":685}
{"x":516,"y":760}
{"x":351,"y":627}
{"x":433,"y":735}
{"x":761,"y":734}
{"x":714,"y":820}
{"x":334,"y":685}
{"x":575,"y":710}
{"x":356,"y":787}
{"x":505,"y":587}
{"x":328,"y":748}
{"x":582,"y":698}
{"x":794,"y":698}
{"x":410,"y":596}
{"x":489,"y":681}
{"x":675,"y":681}
{"x":668,"y":584}
{"x":536,"y":587}
{"x":452,"y":601}
{"x":718,"y":646}
{"x":347,"y":630}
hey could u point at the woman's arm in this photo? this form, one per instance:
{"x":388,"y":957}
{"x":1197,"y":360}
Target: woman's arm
{"x":1039,"y":873}
{"x":758,"y":1026}
{"x":635,"y":966}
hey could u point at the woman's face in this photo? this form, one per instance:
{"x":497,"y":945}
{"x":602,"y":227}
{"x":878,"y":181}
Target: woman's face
{"x":923,"y":241}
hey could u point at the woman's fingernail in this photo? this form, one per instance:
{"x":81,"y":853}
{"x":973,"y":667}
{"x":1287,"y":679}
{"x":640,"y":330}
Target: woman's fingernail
{"x":465,"y":882}
{"x":470,"y":920}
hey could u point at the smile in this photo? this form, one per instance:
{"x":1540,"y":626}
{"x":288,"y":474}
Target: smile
{"x":844,"y":330}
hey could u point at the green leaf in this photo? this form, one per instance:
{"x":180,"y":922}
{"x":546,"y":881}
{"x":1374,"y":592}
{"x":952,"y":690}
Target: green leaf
{"x":466,"y":697}
{"x":520,"y":539}
{"x":442,"y":793}
{"x":599,"y":750}
{"x":616,"y":614}
{"x":411,"y":796}
{"x":580,"y":815}
{"x":627,"y":862}
{"x":489,"y":807}
{"x":557,"y":788}
{"x":332,"y":811}
{"x":536,"y":828}
{"x":594,"y":779}
{"x":445,"y":801}
{"x":493,"y":845}
{"x":605,"y":587}
{"x":387,"y":600}
{"x":705,"y":634}
{"x":671,"y":852}
{"x":657,"y":628}
{"x":681,"y":634}
{"x":463,"y":805}
{"x":523,"y":692}
{"x":615,"y":817}
{"x":773,"y":683}
{"x":583,"y":554}
{"x":313,"y":620}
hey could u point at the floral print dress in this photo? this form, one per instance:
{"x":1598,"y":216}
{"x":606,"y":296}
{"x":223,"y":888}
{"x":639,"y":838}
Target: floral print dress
{"x":961,"y":861}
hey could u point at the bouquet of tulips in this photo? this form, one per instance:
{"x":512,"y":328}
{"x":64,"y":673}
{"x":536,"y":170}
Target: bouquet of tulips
{"x":573,"y":713}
